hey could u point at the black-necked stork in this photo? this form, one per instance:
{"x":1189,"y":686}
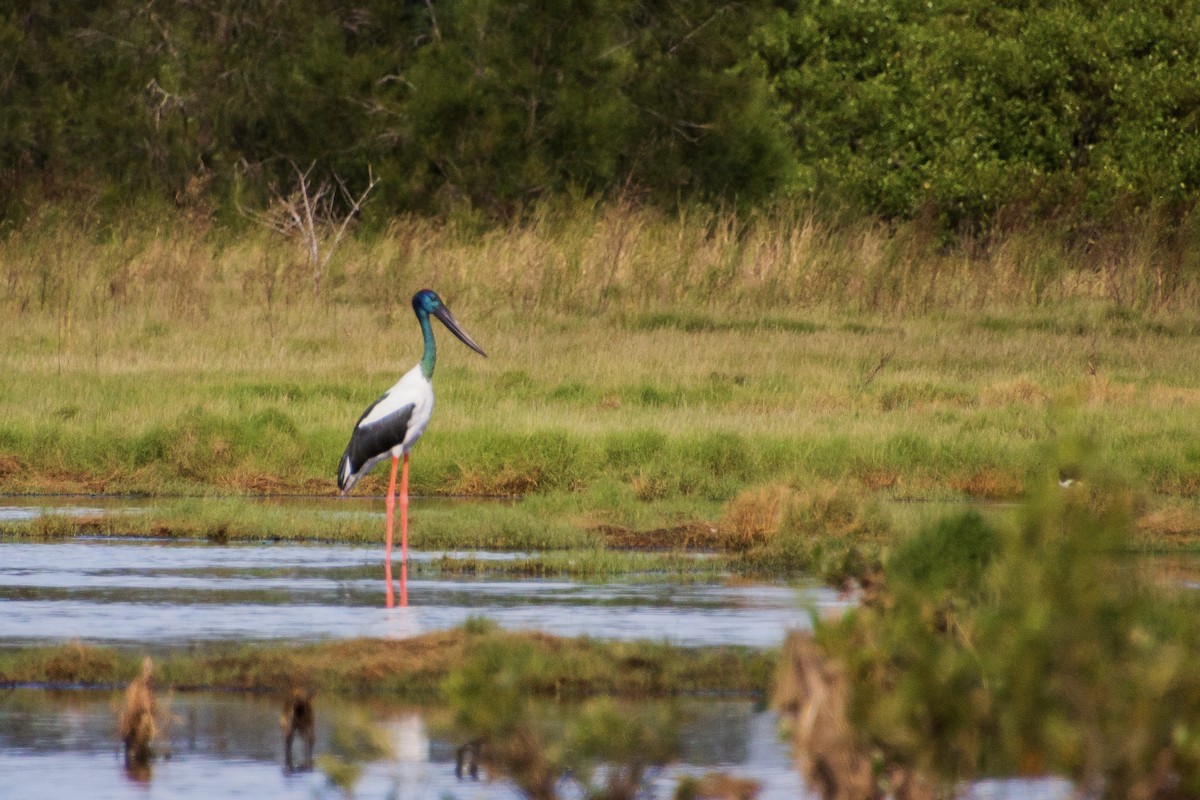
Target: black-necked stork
{"x":392,"y":425}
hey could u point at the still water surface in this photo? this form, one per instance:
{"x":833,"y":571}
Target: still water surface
{"x":231,"y":746}
{"x":63,"y":744}
{"x":167,"y":593}
{"x":148,"y":593}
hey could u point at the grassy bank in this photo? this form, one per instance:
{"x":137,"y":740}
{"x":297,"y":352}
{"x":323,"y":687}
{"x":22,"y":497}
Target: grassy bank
{"x":644,"y":371}
{"x":931,"y":407}
{"x":412,"y":668}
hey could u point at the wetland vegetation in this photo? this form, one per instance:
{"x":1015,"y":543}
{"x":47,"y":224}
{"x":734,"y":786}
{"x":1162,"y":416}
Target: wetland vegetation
{"x":620,"y":403}
{"x":414,"y":668}
{"x":788,"y":286}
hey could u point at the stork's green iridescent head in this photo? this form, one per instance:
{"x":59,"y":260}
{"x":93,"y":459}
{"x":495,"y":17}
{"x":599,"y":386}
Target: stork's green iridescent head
{"x":426,"y":302}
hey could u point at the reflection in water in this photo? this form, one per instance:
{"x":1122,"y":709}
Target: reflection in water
{"x":298,"y":721}
{"x":403,"y":622}
{"x":114,"y":591}
{"x":228,"y":746}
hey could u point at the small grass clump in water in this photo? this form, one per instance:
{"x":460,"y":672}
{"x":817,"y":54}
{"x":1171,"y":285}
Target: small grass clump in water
{"x":136,"y":724}
{"x":823,"y":528}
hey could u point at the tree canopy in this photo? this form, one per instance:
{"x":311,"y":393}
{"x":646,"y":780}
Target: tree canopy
{"x":962,"y":110}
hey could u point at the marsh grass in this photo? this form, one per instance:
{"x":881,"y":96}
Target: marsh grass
{"x":472,"y":526}
{"x":636,"y":358}
{"x":821,"y":528}
{"x":675,"y":568}
{"x":409,"y":668}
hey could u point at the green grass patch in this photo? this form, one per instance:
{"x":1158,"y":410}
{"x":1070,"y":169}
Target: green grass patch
{"x":674,"y":568}
{"x":410,"y":668}
{"x":695,"y":322}
{"x":459,"y":526}
{"x":845,"y":360}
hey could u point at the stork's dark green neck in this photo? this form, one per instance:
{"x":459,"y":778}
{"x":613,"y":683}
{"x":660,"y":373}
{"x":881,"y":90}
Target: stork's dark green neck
{"x":429,"y":360}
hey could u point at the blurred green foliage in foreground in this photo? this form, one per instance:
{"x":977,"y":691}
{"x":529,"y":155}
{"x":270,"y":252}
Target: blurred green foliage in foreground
{"x":1033,"y":650}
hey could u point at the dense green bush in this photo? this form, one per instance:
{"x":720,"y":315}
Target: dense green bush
{"x":476,"y":101}
{"x":970,"y":109}
{"x":964,"y":113}
{"x":1029,"y":651}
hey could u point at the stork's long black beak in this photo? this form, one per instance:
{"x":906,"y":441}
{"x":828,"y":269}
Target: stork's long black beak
{"x":443,"y":313}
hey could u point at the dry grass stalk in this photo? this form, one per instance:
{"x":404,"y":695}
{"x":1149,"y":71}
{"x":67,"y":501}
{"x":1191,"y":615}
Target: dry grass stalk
{"x":753,"y":517}
{"x":136,"y":725}
{"x":988,"y":484}
{"x":812,"y":694}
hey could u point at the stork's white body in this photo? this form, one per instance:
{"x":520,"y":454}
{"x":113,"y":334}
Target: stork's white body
{"x":413,"y":389}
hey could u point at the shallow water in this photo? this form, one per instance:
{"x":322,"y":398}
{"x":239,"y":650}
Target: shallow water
{"x":120,"y":591}
{"x":231,"y":746}
{"x":130,"y":592}
{"x":53,"y":744}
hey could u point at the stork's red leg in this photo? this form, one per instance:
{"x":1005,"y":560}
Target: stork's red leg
{"x":391,"y":508}
{"x":403,"y":532}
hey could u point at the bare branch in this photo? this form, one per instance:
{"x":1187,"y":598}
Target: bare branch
{"x":308,"y":214}
{"x":883,"y":362}
{"x":437,"y":31}
{"x":355,"y":207}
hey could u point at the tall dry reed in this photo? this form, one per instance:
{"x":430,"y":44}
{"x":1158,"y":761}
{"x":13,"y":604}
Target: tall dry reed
{"x":616,"y":257}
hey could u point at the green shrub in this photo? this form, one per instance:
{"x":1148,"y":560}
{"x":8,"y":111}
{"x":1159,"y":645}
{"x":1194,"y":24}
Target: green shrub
{"x":1028,"y":650}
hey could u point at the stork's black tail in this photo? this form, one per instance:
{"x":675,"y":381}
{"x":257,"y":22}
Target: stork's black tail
{"x":371,"y":443}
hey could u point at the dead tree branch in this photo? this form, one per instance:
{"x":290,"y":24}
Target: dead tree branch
{"x":309,"y":214}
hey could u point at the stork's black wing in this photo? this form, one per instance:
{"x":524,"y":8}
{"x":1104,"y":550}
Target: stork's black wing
{"x":371,"y":442}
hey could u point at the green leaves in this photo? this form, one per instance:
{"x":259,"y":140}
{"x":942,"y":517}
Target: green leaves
{"x":1030,"y":650}
{"x":967,"y":111}
{"x":475,"y":103}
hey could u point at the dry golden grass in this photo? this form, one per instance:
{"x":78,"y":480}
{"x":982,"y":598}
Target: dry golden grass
{"x":1172,"y":523}
{"x":1020,"y":390}
{"x":136,"y":356}
{"x":136,"y":725}
{"x":718,"y":786}
{"x":76,"y":661}
{"x":754,"y":516}
{"x":991,"y":484}
{"x":614,"y":257}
